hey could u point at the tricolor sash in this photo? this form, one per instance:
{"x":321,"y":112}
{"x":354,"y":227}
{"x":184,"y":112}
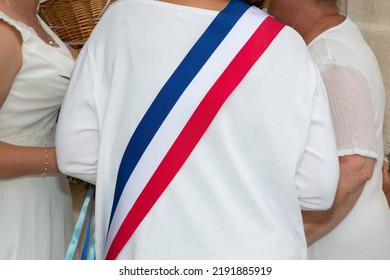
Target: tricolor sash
{"x":182,"y":112}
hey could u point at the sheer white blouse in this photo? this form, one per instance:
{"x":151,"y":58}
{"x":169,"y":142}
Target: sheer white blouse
{"x":357,"y":99}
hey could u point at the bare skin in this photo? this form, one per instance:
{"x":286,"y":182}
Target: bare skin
{"x":355,"y":171}
{"x":15,"y":160}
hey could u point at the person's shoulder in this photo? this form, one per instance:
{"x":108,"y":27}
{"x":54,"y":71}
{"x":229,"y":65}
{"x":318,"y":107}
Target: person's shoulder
{"x":14,"y":28}
{"x":290,"y":42}
{"x":109,"y":30}
{"x":288,"y":35}
{"x":337,"y":42}
{"x":9,"y":33}
{"x":121,"y":11}
{"x":125,"y":6}
{"x":6,"y":22}
{"x":291,"y":35}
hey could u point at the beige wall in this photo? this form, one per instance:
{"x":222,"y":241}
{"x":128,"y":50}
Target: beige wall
{"x":372,"y":16}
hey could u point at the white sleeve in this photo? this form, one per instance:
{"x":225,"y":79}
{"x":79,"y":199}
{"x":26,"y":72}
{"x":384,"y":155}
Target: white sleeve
{"x":318,"y":173}
{"x":352,"y":111}
{"x":77,"y":136}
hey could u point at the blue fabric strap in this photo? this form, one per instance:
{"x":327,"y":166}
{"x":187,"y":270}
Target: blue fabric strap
{"x":87,"y":236}
{"x":79,"y":225}
{"x":91,"y":252}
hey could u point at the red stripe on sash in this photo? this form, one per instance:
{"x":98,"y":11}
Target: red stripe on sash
{"x":194,"y":130}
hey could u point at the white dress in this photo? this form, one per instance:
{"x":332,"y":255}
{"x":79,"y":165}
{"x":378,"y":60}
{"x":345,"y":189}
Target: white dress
{"x":36,"y":217}
{"x":356,"y":93}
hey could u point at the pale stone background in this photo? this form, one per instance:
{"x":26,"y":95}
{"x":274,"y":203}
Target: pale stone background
{"x":372,"y":16}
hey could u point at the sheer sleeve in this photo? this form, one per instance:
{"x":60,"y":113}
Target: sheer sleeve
{"x":351,"y":109}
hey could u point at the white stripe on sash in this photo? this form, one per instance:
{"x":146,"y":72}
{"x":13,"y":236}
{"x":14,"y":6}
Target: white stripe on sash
{"x":181,"y":113}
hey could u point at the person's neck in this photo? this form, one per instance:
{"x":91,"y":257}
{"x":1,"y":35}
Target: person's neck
{"x":28,"y":8}
{"x":216,"y":5}
{"x":315,"y":20}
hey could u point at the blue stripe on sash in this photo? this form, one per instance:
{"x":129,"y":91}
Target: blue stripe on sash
{"x":173,"y":89}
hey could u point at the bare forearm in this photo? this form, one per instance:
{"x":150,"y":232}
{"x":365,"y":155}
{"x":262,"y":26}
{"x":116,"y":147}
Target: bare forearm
{"x":319,"y":223}
{"x":17,"y":161}
{"x":354,"y":172}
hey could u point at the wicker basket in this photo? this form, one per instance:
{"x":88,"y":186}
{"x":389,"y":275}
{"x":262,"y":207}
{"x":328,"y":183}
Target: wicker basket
{"x":73,"y":20}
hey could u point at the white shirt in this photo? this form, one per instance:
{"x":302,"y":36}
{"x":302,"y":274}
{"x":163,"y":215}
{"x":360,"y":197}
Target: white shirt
{"x":357,"y":97}
{"x":269,"y":152}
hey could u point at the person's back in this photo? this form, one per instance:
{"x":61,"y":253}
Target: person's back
{"x":268,"y":152}
{"x":358,"y":224}
{"x":349,"y":57}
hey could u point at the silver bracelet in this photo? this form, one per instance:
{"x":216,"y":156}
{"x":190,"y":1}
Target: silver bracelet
{"x":46,"y":162}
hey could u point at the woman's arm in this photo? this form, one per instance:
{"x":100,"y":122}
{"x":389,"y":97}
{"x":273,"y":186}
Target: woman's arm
{"x":354,"y":125}
{"x":355,"y":170}
{"x":18,"y":161}
{"x":10,"y":58}
{"x":77,"y":136}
